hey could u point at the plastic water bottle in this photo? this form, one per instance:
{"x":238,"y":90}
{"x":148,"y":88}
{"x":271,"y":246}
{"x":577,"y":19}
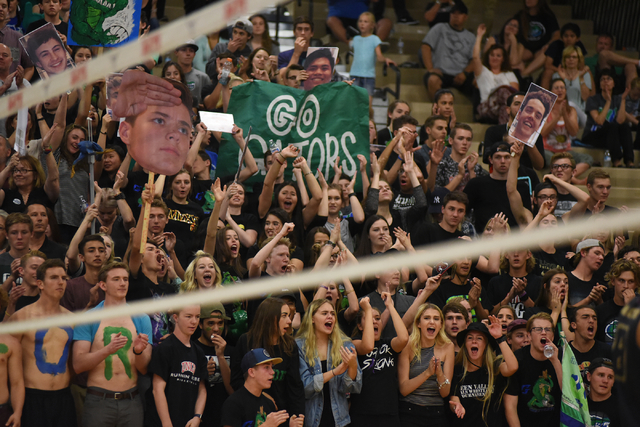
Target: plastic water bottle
{"x":607,"y":159}
{"x":226,"y":70}
{"x":273,"y":147}
{"x":548,"y":351}
{"x":400,"y":46}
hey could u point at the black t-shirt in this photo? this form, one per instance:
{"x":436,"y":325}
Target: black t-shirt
{"x":607,"y":313}
{"x":286,"y":389}
{"x":243,"y":409}
{"x":142,"y":287}
{"x":184,"y":221}
{"x":471,"y":391}
{"x":499,"y":287}
{"x":605,"y":413}
{"x":53,"y":250}
{"x":216,"y":392}
{"x":448,"y":290}
{"x":62,"y":27}
{"x":566,"y":202}
{"x":579,"y":289}
{"x":599,"y":349}
{"x":554,"y":51}
{"x":24,"y":301}
{"x":539,"y":393}
{"x":182,"y":368}
{"x":625,"y":358}
{"x":133,"y":190}
{"x":541,"y":28}
{"x":488,"y":196}
{"x":379,"y":373}
{"x":202,"y":195}
{"x":13,"y":201}
{"x":546,"y":261}
{"x":384,"y":136}
{"x":424,"y":233}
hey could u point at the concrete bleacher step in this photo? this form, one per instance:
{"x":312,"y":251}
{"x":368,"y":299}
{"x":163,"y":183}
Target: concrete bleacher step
{"x":422,"y":110}
{"x":418,"y":93}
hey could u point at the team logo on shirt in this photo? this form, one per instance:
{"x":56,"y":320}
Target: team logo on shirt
{"x":542,"y":399}
{"x":188,"y":367}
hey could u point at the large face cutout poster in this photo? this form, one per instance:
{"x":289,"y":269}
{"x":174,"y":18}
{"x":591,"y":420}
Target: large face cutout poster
{"x":533,"y":113}
{"x":155,"y":119}
{"x":319,"y":65}
{"x":46,"y":50}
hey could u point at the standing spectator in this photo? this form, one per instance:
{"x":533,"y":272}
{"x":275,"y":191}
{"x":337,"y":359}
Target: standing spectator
{"x":51,"y":10}
{"x":262,"y":38}
{"x":19,"y":229}
{"x":92,"y":254}
{"x":366,"y":49}
{"x":583,"y":287}
{"x":179,"y":370}
{"x":517,"y":335}
{"x":39,"y":240}
{"x":458,"y":167}
{"x":343,"y":17}
{"x":12,"y":390}
{"x":193,"y":78}
{"x":454,"y":208}
{"x":447,"y":51}
{"x":603,"y":406}
{"x":533,"y":396}
{"x":114,"y":352}
{"x":26,"y":292}
{"x":456,"y":320}
{"x":508,"y":38}
{"x":11,"y":39}
{"x":623,"y":278}
{"x":606,"y":117}
{"x":581,"y":337}
{"x":496,"y":82}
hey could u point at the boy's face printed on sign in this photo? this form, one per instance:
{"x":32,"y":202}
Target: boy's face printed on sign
{"x":46,"y":50}
{"x":534,"y":110}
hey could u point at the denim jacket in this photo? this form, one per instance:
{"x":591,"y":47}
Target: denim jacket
{"x":338,"y":386}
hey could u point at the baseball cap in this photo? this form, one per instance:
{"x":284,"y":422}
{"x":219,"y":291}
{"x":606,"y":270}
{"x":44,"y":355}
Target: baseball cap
{"x":600,"y":362}
{"x":258,"y":356}
{"x":206,"y":312}
{"x":459,"y":6}
{"x":244,"y":24}
{"x":189,"y":43}
{"x":588,"y":243}
{"x":436,"y":198}
{"x":516,"y":324}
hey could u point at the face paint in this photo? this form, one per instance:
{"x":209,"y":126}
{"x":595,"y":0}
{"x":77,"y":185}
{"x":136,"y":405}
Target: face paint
{"x":121,"y":353}
{"x":3,"y":349}
{"x":41,"y":354}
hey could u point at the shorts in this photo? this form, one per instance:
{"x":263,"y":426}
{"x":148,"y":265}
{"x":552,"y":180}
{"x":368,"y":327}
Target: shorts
{"x":369,"y":83}
{"x":47,"y":408}
{"x":104,"y":412}
{"x":351,"y":25}
{"x":447,"y":81}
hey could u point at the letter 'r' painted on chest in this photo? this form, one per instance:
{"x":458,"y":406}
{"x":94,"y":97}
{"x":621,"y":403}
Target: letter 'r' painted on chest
{"x":121,"y":353}
{"x":40,"y":353}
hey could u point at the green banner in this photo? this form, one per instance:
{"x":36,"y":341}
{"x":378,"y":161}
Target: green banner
{"x":328,"y":121}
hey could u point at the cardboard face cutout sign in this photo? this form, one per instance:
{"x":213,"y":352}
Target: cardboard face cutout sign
{"x":157,"y":121}
{"x":319,"y":65}
{"x":532,"y":115}
{"x":46,"y":50}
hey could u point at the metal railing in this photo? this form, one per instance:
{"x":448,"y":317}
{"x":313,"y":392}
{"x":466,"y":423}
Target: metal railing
{"x":617,"y":17}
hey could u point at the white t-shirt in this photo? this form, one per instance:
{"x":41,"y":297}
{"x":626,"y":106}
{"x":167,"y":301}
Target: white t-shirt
{"x":488,"y":82}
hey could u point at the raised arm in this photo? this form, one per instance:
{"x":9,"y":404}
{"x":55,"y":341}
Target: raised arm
{"x":279,"y":161}
{"x":255,"y":269}
{"x":356,"y":207}
{"x":72,"y":251}
{"x":251,"y":167}
{"x":435,"y":157}
{"x":135,"y":258}
{"x":309,"y":212}
{"x":220,"y":195}
{"x":60,"y":118}
{"x":522,"y":214}
{"x":195,"y":147}
{"x":366,"y":343}
{"x":476,"y":60}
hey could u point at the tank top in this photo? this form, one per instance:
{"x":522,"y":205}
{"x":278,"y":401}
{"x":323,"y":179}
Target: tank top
{"x":427,"y":393}
{"x":625,"y":356}
{"x":559,"y":139}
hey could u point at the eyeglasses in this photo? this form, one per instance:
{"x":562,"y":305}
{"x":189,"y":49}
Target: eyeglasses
{"x":563,"y":167}
{"x":539,"y":329}
{"x":545,"y":197}
{"x":21,"y":171}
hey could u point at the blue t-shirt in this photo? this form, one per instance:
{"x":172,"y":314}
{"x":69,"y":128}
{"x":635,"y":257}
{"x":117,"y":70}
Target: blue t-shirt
{"x":88,"y":332}
{"x":364,"y":56}
{"x":285,"y":57}
{"x":351,"y":9}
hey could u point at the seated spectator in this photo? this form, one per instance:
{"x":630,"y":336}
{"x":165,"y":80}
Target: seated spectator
{"x":343,"y":15}
{"x":553,"y":298}
{"x":193,"y":78}
{"x":578,"y":81}
{"x":11,"y":39}
{"x":606,"y":119}
{"x":496,"y":82}
{"x":538,"y":28}
{"x":262,"y":38}
{"x":437,"y":12}
{"x":400,"y":9}
{"x":396,"y":109}
{"x":257,"y":66}
{"x":447,"y":51}
{"x":517,"y":335}
{"x":432,"y":133}
{"x":508,"y":38}
{"x":624,"y":69}
{"x":294,"y":75}
{"x":458,"y":167}
{"x":632,"y":105}
{"x":552,"y":59}
{"x":453,"y":210}
{"x":303,"y":32}
{"x":603,"y":407}
{"x":28,"y":183}
{"x":242,"y":32}
{"x":442,"y":106}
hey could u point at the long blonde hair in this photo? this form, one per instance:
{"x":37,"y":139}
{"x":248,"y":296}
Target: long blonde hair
{"x":489,"y":361}
{"x":415,"y":339}
{"x":308,"y":333}
{"x":190,"y":283}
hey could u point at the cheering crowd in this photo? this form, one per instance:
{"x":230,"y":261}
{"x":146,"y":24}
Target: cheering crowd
{"x":464,"y":342}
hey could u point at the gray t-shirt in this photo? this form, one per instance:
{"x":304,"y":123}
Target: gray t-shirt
{"x":451,"y":50}
{"x":196,"y":80}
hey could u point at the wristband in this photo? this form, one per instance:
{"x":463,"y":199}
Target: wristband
{"x":275,"y":157}
{"x":48,"y":149}
{"x":102,"y":133}
{"x":120,"y":196}
{"x":41,"y":118}
{"x":137,"y":354}
{"x":564,"y":318}
{"x":524,"y":296}
{"x":198,"y":415}
{"x":329,"y":242}
{"x":308,"y":173}
{"x":323,"y":286}
{"x":352,"y":195}
{"x":501,"y":340}
{"x":348,"y":292}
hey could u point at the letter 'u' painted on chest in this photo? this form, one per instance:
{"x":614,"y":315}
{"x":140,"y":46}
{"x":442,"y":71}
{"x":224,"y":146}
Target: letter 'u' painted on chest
{"x":40,"y":353}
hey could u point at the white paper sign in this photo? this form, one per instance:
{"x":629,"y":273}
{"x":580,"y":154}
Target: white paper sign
{"x":218,"y":122}
{"x":21,"y":132}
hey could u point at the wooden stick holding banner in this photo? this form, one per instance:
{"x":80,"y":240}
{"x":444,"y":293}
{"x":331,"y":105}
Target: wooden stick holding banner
{"x":244,"y":151}
{"x":145,"y":219}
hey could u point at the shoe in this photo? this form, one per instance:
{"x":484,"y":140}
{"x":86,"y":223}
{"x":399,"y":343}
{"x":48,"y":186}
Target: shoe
{"x":407,"y":20}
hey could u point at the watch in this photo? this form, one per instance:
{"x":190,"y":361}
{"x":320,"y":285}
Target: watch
{"x":198,"y":415}
{"x":120,"y":196}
